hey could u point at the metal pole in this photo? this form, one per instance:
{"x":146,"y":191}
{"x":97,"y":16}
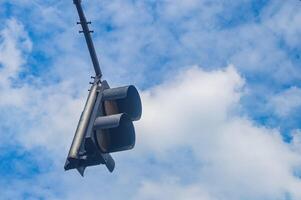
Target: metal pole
{"x":88,"y":38}
{"x":83,"y":124}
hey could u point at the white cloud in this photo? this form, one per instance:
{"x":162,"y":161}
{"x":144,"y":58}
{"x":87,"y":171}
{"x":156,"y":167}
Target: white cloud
{"x":197,"y":110}
{"x":286,"y":102}
{"x":232,"y":157}
{"x":170,"y":189}
{"x":240,"y":160}
{"x":44,"y":107}
{"x":296,"y":140}
{"x":284,"y":20}
{"x":194,"y":97}
{"x":14,"y":47}
{"x":15,"y":41}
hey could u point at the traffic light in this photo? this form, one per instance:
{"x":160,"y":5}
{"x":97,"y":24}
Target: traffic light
{"x":114,"y":129}
{"x":106,"y":123}
{"x":105,"y":126}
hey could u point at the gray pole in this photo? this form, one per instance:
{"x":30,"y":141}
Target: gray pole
{"x":83,"y":124}
{"x":88,"y":38}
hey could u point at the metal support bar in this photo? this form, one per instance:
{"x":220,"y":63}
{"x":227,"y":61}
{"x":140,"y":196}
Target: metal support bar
{"x":83,"y":124}
{"x":88,"y":38}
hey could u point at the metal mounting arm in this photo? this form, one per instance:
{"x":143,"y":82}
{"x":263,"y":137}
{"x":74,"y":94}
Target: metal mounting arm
{"x":88,"y":38}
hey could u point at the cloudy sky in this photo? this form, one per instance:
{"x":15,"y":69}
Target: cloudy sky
{"x":220,"y":83}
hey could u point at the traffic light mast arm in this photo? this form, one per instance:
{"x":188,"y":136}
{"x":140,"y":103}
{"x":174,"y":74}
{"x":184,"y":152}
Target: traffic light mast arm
{"x":88,"y":37}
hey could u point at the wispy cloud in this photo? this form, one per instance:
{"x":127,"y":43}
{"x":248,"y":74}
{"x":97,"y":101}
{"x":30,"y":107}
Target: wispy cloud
{"x":202,"y":134}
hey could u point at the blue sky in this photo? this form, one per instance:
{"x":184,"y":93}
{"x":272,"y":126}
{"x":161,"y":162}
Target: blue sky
{"x":220,"y":83}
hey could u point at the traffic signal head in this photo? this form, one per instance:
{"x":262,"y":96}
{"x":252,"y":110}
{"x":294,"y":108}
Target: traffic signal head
{"x":106,"y":126}
{"x":114,"y":130}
